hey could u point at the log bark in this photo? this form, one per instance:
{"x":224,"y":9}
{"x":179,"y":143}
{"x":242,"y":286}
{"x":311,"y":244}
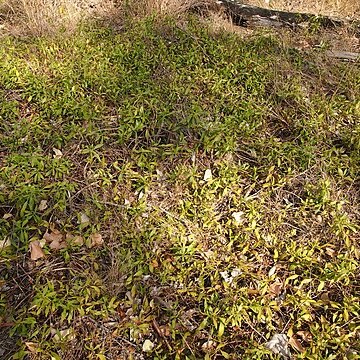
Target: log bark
{"x":248,"y":15}
{"x":344,"y":55}
{"x":245,"y":15}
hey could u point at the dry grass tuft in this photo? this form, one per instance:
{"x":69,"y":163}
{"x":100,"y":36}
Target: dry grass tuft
{"x":49,"y":17}
{"x":219,"y":22}
{"x":176,"y":7}
{"x":165,"y":7}
{"x":41,"y":17}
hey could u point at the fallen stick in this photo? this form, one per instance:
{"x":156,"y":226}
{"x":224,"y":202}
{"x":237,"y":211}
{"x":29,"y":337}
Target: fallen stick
{"x":248,"y":15}
{"x":243,"y":15}
{"x":344,"y":55}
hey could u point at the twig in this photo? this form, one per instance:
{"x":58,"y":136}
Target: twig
{"x":159,"y":332}
{"x":6,"y":324}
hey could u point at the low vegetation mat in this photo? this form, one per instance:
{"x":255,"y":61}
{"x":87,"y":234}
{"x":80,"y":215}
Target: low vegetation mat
{"x":168,"y":192}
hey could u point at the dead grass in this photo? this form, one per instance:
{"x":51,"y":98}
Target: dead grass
{"x":218,"y":21}
{"x":166,"y":7}
{"x":40,"y":17}
{"x":49,"y":17}
{"x":43,"y":17}
{"x":339,"y":8}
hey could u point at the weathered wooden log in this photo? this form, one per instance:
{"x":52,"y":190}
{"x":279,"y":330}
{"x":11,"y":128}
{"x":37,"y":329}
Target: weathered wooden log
{"x":245,"y":15}
{"x":344,"y":55}
{"x":248,"y":15}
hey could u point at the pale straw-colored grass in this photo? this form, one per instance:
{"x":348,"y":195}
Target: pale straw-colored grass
{"x":49,"y":17}
{"x":337,"y":8}
{"x":41,"y":17}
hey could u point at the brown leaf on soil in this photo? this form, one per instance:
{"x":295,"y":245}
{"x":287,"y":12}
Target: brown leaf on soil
{"x":56,"y":245}
{"x":31,"y":346}
{"x":84,"y":219}
{"x":305,"y":335}
{"x":154,"y":263}
{"x":325,"y":297}
{"x":330,"y":251}
{"x":36,"y":252}
{"x":208,"y":346}
{"x":96,"y":240}
{"x":295,"y":343}
{"x":55,"y":239}
{"x":57,"y":153}
{"x":275,"y":288}
{"x":43,"y":205}
{"x":69,"y":237}
{"x":165,"y":330}
{"x":74,"y":240}
{"x":252,"y":292}
{"x":78,"y":240}
{"x":55,"y":235}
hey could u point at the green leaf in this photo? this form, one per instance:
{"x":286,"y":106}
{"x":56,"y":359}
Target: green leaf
{"x":221,"y":329}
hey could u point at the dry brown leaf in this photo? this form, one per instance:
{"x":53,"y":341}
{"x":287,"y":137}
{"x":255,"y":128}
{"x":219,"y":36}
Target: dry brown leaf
{"x":78,"y":240}
{"x":74,"y":240}
{"x":96,"y":240}
{"x":275,"y":288}
{"x":57,"y":153}
{"x":253,"y":292}
{"x":154,"y":263}
{"x":325,"y":297}
{"x":55,"y":239}
{"x":84,"y":219}
{"x":209,"y":345}
{"x":36,"y":252}
{"x":69,"y":237}
{"x":56,"y":245}
{"x":31,"y":346}
{"x":43,"y":205}
{"x":7,"y":216}
{"x":55,"y":235}
{"x":305,"y":335}
{"x":330,"y":251}
{"x":165,"y":330}
{"x":295,"y":343}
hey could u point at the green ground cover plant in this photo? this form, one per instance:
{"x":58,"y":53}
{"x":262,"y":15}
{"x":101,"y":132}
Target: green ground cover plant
{"x":168,"y":192}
